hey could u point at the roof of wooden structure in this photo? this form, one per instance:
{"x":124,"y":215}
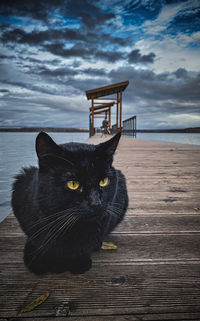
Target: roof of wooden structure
{"x":102,"y":106}
{"x":106,"y":90}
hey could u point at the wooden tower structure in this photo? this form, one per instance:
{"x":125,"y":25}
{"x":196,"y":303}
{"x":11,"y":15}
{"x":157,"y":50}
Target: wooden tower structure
{"x":98,"y":108}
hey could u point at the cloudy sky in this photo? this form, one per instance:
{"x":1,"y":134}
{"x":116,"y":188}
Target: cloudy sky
{"x":51,"y":51}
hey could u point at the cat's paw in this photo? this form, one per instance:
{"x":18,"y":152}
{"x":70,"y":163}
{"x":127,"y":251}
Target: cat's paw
{"x":32,"y":261}
{"x":36,"y":267}
{"x":80,"y":266}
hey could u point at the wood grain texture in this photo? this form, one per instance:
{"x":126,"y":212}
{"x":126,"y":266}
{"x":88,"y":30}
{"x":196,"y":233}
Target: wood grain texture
{"x":155,"y":272}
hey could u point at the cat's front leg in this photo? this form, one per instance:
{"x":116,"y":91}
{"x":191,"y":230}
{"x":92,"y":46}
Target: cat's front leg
{"x":33,"y":261}
{"x":98,"y":247}
{"x":80,"y":265}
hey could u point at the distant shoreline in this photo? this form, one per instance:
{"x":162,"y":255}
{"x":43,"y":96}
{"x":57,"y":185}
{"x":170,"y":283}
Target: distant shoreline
{"x":86,"y":130}
{"x":45,"y":129}
{"x":174,"y":130}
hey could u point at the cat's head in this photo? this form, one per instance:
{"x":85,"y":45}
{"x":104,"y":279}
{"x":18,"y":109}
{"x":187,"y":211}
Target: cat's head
{"x":75,"y":177}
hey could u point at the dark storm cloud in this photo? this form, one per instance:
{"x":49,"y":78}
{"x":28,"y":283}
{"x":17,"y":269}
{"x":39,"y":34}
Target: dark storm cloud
{"x":44,"y":11}
{"x":153,"y":87}
{"x":77,"y":50}
{"x":89,"y":14}
{"x":39,"y":10}
{"x":80,"y":50}
{"x":86,"y":47}
{"x":106,"y":38}
{"x":4,"y":91}
{"x":65,"y":35}
{"x":36,"y":38}
{"x":67,"y":71}
{"x":94,"y":72}
{"x":93,"y":21}
{"x":45,"y":89}
{"x":110,"y":56}
{"x":7,"y":57}
{"x":135,"y":57}
{"x":181,"y":73}
{"x":63,"y":72}
{"x":52,"y":62}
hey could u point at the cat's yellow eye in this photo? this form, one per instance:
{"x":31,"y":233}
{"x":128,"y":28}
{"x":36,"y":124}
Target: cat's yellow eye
{"x":73,"y":185}
{"x":104,"y":182}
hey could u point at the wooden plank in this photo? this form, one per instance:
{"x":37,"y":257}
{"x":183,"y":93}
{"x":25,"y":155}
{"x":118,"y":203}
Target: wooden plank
{"x":125,"y":317}
{"x":122,"y":289}
{"x":106,"y":90}
{"x":102,"y":106}
{"x":140,"y":224}
{"x":173,"y":208}
{"x":120,"y":111}
{"x":101,"y":111}
{"x":131,"y":248}
{"x":117,"y":113}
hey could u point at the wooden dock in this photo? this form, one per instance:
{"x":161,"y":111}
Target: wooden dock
{"x":155,"y":272}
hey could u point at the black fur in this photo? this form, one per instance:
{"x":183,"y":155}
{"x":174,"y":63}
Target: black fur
{"x":64,"y":226}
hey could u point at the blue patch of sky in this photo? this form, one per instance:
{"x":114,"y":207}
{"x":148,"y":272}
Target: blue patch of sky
{"x":186,"y":23}
{"x":68,"y":22}
{"x":174,"y":1}
{"x":137,"y":13}
{"x":11,"y":20}
{"x":21,"y":22}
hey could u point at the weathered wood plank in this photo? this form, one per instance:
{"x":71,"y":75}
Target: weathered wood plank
{"x":165,"y":207}
{"x":131,"y":224}
{"x":131,"y":248}
{"x":109,"y":290}
{"x":125,"y":317}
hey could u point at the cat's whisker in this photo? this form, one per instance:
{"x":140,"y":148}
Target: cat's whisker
{"x":53,"y":234}
{"x":67,"y":227}
{"x":115,"y":209}
{"x":43,"y":248}
{"x":36,"y":252}
{"x":113,"y":212}
{"x":50,"y":233}
{"x":64,"y":212}
{"x":43,"y":228}
{"x":116,"y":204}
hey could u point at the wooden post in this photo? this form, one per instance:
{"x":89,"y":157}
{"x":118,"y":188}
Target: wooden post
{"x":120,"y":116}
{"x":109,"y":120}
{"x":106,"y":115}
{"x":117,"y":113}
{"x":92,"y":116}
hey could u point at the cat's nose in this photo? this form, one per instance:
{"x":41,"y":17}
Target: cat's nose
{"x":95,"y":201}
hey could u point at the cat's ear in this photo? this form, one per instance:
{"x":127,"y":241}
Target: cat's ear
{"x":45,"y":145}
{"x":50,"y":155}
{"x":108,"y":148}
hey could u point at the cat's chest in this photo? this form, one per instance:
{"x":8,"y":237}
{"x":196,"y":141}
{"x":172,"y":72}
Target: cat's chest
{"x":85,"y":239}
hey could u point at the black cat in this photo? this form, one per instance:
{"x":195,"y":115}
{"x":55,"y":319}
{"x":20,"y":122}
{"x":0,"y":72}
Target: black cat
{"x":68,"y":205}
